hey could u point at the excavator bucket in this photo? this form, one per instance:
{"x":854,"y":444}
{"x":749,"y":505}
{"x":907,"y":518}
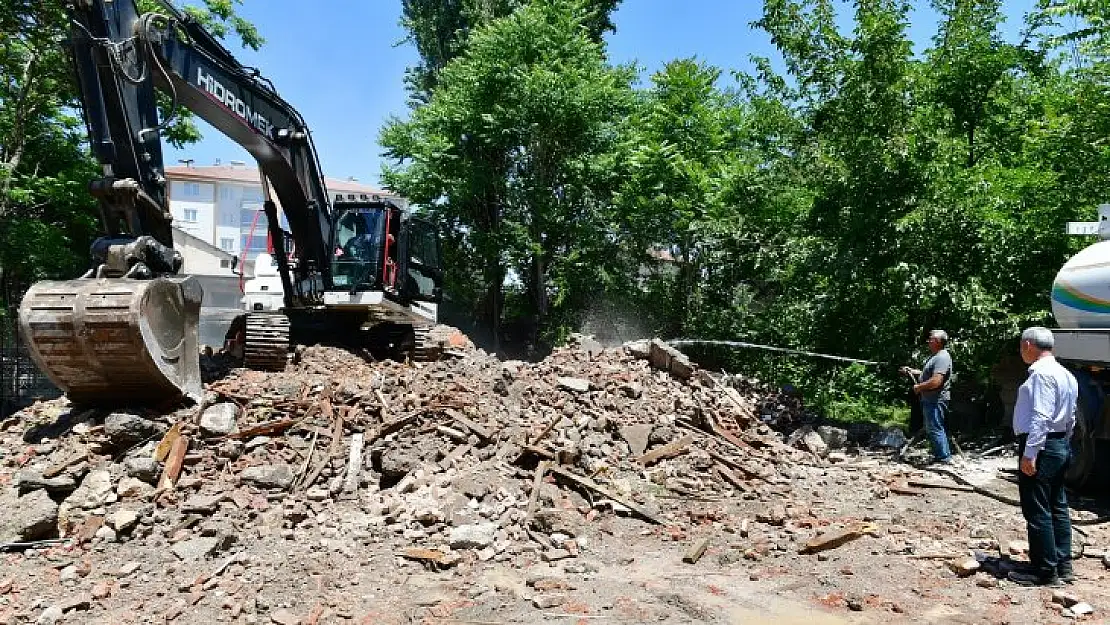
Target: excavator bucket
{"x":114,"y":341}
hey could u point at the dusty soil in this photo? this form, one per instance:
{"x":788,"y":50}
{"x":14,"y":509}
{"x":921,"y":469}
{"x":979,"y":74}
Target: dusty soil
{"x":215,"y":546}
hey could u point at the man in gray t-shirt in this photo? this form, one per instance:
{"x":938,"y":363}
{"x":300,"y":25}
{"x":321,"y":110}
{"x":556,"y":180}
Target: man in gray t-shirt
{"x":934,"y":382}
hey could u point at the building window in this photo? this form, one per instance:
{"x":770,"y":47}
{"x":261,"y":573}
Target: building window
{"x":225,"y":192}
{"x":192,"y":189}
{"x":229,"y":218}
{"x":190,"y":214}
{"x":227,"y":244}
{"x":225,"y":263}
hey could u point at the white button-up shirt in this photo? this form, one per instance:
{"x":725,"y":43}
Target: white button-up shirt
{"x":1045,"y":403}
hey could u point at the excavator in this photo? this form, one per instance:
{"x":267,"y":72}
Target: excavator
{"x":354,"y":269}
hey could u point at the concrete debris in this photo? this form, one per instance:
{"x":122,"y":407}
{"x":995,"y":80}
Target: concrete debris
{"x":276,"y":476}
{"x":1082,"y":609}
{"x":202,"y":547}
{"x":545,"y":602}
{"x":807,"y":438}
{"x":1064,"y":598}
{"x":666,"y":358}
{"x":284,"y":617}
{"x":834,"y":437}
{"x":31,"y":480}
{"x":470,"y":467}
{"x":964,"y":567}
{"x":696,"y":551}
{"x":476,"y":536}
{"x":577,"y":385}
{"x":637,"y":437}
{"x":123,"y":520}
{"x":219,"y":420}
{"x":50,"y":616}
{"x":143,"y":468}
{"x":30,"y":517}
{"x":124,"y":429}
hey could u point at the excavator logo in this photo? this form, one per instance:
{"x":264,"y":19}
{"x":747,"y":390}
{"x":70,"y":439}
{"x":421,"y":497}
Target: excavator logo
{"x":224,"y":96}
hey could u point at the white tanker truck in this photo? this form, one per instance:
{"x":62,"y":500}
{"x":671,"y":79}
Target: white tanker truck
{"x":1081,"y":306}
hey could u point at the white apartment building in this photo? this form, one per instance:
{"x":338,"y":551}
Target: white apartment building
{"x":222,"y":206}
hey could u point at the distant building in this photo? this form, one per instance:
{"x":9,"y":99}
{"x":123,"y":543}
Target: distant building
{"x":216,"y":269}
{"x":222,"y":205}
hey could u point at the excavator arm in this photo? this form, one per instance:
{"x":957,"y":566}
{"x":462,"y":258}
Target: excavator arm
{"x":127,"y":330}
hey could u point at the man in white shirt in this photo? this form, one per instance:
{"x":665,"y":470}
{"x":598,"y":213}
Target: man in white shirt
{"x":1044,"y":417}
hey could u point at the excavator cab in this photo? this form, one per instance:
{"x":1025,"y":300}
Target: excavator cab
{"x":377,"y":247}
{"x":358,"y":251}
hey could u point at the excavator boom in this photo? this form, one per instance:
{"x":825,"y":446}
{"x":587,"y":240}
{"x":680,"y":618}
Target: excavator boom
{"x":126,"y":331}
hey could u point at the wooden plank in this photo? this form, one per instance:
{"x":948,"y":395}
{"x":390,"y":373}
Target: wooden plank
{"x":455,"y":454}
{"x":264,"y":429}
{"x":546,"y":430}
{"x":166,"y":444}
{"x":594,"y":486}
{"x":696,"y":551}
{"x":730,"y":477}
{"x":482,"y":432}
{"x":428,"y":556}
{"x":669,"y":450}
{"x":333,"y":448}
{"x":393,"y":426}
{"x":354,"y":463}
{"x":942,"y":485}
{"x":831,"y":540}
{"x":905,"y":490}
{"x":174,"y":461}
{"x":456,"y":435}
{"x":533,"y":497}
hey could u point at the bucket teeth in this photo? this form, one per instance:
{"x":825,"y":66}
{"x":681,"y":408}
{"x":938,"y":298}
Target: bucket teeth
{"x":115,"y":340}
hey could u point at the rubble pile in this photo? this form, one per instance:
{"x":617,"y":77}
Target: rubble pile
{"x":466,"y":453}
{"x":472,"y":488}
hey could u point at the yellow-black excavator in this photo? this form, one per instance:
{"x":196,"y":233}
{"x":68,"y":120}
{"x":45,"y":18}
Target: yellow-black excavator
{"x":354,"y":269}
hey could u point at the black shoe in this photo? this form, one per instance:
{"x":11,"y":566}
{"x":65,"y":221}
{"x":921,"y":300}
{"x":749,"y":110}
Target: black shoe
{"x":1066,"y":575}
{"x":1032,"y":579}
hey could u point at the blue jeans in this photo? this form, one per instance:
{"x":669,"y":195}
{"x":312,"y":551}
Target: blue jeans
{"x":1044,"y":504}
{"x":933,"y":412}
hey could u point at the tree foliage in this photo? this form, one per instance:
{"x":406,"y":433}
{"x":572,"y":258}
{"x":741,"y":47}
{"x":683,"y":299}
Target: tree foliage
{"x":863,"y":197}
{"x":511,"y":153}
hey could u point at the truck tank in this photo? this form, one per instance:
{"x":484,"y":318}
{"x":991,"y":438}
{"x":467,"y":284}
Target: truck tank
{"x":1081,"y":306}
{"x":1081,"y":291}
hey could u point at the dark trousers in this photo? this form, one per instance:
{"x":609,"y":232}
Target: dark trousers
{"x":1044,"y":504}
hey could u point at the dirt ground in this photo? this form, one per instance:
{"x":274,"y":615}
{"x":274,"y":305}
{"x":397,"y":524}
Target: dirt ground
{"x":235,"y":551}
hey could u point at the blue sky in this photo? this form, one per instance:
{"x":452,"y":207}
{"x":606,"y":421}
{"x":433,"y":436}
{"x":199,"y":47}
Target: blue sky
{"x":339,"y":62}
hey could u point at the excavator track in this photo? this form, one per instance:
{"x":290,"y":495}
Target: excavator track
{"x":112,"y":341}
{"x":266,"y":345}
{"x":426,"y":349}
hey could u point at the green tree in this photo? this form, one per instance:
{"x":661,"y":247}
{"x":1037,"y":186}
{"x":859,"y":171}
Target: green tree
{"x":440,"y":30}
{"x":681,"y":147}
{"x":510,"y":153}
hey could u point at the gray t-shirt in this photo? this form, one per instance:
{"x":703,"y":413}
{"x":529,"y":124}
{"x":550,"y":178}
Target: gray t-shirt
{"x":941,"y":363}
